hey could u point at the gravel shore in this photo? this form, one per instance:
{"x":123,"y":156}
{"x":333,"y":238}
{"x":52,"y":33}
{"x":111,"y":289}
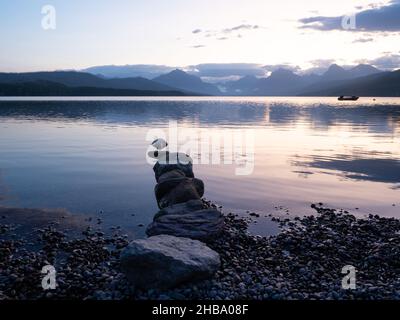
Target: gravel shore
{"x":304,"y":261}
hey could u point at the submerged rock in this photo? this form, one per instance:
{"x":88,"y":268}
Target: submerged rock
{"x":203,"y":224}
{"x":165,"y":261}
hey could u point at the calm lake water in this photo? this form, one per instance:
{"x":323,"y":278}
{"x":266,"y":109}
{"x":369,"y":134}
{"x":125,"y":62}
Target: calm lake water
{"x":90,"y":156}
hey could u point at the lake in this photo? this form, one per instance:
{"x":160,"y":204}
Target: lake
{"x":89,"y":155}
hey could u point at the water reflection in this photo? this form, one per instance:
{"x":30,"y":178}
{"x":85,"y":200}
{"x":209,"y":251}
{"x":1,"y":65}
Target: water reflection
{"x":138,"y":113}
{"x":385,"y":170}
{"x":88,"y":156}
{"x":320,"y":114}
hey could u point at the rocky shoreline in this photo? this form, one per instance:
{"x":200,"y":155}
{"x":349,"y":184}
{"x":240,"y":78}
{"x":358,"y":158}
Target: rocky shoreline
{"x":196,"y":252}
{"x":304,"y":261}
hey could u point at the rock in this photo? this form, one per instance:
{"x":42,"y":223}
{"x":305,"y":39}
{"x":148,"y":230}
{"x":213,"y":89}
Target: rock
{"x":174,"y":174}
{"x":178,"y":190}
{"x":181,"y":208}
{"x":173,"y":161}
{"x":165,"y":261}
{"x":204,"y":224}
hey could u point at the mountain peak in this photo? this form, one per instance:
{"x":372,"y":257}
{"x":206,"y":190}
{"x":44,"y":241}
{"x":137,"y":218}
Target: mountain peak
{"x":180,"y":79}
{"x":178,"y":71}
{"x":335,"y":72}
{"x":178,"y":74}
{"x":282,"y":73}
{"x":363,"y":70}
{"x":335,"y":67}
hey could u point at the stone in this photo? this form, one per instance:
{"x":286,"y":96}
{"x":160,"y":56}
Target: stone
{"x":181,"y":208}
{"x":178,"y":190}
{"x":171,"y":175}
{"x":173,"y":161}
{"x":204,"y":224}
{"x":166,"y":261}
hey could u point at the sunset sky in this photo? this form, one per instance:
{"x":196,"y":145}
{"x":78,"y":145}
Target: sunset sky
{"x":304,"y":33}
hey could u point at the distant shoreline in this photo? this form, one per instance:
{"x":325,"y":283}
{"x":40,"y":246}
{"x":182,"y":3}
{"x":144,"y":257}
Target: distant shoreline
{"x":175,"y":98}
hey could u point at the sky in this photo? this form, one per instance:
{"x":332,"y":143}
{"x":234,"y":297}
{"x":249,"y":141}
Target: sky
{"x":302,"y":34}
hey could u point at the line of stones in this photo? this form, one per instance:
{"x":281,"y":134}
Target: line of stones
{"x":175,"y":250}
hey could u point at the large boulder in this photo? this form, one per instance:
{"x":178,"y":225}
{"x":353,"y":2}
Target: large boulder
{"x":203,"y":224}
{"x":165,"y":261}
{"x":178,"y":190}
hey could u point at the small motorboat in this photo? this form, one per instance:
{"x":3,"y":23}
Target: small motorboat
{"x":348,"y":98}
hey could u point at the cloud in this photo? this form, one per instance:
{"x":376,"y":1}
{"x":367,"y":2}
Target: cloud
{"x":375,"y":19}
{"x":217,"y":80}
{"x":222,"y":33}
{"x":319,"y":66}
{"x":223,"y":70}
{"x":322,"y":63}
{"x":148,"y":71}
{"x":386,"y":62}
{"x":241,"y":27}
{"x":286,"y":66}
{"x":363,"y":40}
{"x":197,"y":46}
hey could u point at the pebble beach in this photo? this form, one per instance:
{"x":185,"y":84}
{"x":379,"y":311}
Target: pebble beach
{"x":304,"y":261}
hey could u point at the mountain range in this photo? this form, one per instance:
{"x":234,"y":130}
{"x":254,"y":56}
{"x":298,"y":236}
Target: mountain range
{"x":188,"y":83}
{"x":80,"y":83}
{"x":283,"y":82}
{"x":384,"y":84}
{"x":49,"y":88}
{"x":362,"y":80}
{"x":83,"y":79}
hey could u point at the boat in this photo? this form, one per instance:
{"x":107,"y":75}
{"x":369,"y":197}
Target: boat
{"x":348,"y":98}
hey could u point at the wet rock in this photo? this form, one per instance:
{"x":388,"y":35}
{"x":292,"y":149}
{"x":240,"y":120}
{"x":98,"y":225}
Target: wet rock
{"x":181,"y":208}
{"x":165,"y":261}
{"x":174,"y":174}
{"x":202,"y":224}
{"x":173,"y":161}
{"x":178,"y":190}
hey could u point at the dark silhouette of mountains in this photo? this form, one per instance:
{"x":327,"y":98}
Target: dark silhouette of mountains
{"x":72,"y":82}
{"x":48,"y":88}
{"x":362,"y":80}
{"x":384,"y":84}
{"x":245,"y":85}
{"x":186,"y":82}
{"x":335,"y":72}
{"x":283,"y":82}
{"x":82,"y":79}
